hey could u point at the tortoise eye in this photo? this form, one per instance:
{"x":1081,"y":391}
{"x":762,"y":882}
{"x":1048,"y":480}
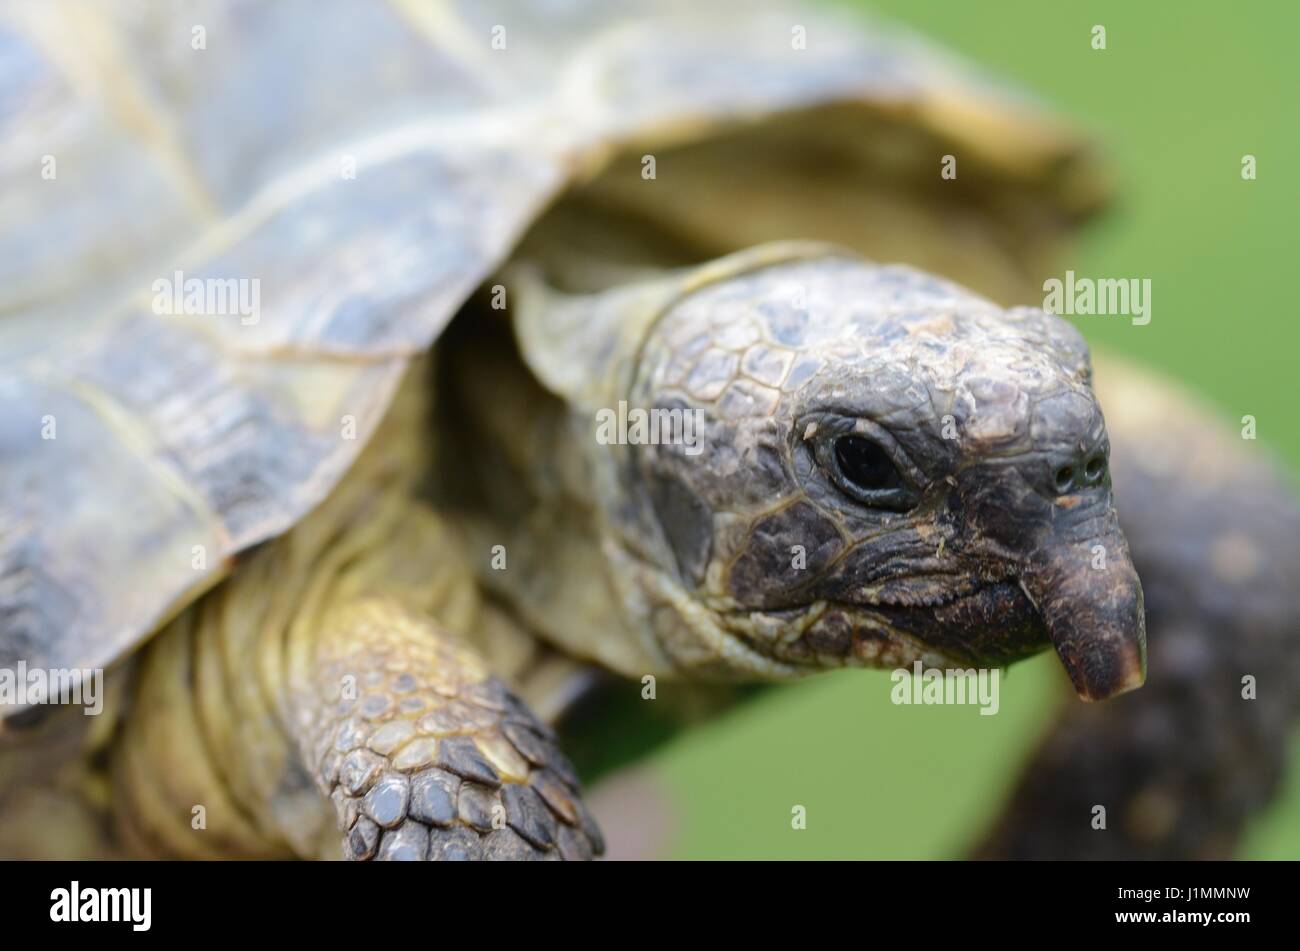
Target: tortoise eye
{"x":865,"y":471}
{"x":866,"y":465}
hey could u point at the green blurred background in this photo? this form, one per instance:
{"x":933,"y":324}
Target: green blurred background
{"x":1180,"y":94}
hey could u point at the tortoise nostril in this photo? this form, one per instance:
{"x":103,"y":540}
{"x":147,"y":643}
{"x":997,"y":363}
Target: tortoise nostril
{"x":1079,"y":472}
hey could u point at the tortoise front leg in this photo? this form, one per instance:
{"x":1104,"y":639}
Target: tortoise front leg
{"x":423,"y":752}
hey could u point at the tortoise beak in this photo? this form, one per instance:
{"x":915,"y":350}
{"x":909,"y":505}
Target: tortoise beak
{"x":1090,"y":599}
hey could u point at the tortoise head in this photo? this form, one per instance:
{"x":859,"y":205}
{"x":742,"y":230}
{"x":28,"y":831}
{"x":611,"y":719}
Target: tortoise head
{"x":884,"y":468}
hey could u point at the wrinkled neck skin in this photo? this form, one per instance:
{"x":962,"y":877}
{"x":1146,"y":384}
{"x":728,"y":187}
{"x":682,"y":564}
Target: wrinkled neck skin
{"x":575,"y":555}
{"x":641,"y":616}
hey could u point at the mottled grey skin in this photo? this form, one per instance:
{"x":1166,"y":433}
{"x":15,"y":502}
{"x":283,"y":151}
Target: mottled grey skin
{"x":985,"y":549}
{"x":785,"y":357}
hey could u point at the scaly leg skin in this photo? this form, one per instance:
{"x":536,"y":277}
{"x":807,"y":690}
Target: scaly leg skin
{"x":263,"y":719}
{"x":1182,"y":764}
{"x":353,"y":658}
{"x":425,"y":754}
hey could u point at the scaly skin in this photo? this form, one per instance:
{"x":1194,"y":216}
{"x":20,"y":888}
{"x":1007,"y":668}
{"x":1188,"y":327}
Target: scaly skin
{"x":348,"y":663}
{"x":783,"y":350}
{"x":1182,"y":765}
{"x":457,"y":767}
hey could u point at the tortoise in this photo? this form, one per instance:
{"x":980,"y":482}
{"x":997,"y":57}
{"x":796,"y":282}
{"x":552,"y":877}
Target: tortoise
{"x":350,"y":587}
